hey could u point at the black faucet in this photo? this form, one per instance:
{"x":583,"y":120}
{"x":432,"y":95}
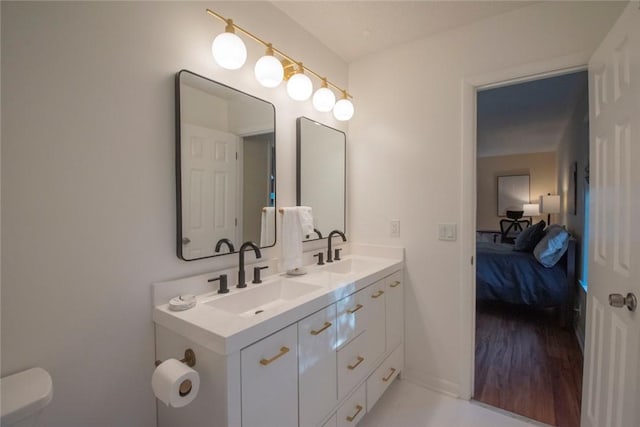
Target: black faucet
{"x":223,"y":283}
{"x":333,"y":233}
{"x":256,"y":249}
{"x":226,"y":242}
{"x":315,"y":230}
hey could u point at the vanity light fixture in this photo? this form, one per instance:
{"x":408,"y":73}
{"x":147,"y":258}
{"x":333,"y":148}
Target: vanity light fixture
{"x":268,"y":70}
{"x":230,"y":53}
{"x":324,"y":99}
{"x":228,"y":49}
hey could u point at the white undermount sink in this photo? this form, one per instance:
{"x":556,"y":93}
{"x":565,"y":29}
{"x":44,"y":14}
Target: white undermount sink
{"x":351,"y":265}
{"x":263,"y":297}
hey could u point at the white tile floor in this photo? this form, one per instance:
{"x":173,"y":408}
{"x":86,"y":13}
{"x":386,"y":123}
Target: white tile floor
{"x":407,"y":405}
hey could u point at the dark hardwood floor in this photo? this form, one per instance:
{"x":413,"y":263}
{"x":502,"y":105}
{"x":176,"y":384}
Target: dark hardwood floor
{"x":528,"y":364}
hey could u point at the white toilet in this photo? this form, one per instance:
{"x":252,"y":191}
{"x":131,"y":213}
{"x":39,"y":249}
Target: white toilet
{"x":24,"y":395}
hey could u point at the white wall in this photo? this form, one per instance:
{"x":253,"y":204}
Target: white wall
{"x":88,"y":193}
{"x":197,"y":105}
{"x":406,"y":157}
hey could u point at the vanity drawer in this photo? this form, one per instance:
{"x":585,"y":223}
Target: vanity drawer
{"x":378,"y":382}
{"x":352,"y":316}
{"x":317,"y":378}
{"x":353,"y":409}
{"x":353,"y":364}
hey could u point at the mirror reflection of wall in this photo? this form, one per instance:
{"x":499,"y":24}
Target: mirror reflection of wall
{"x":226,"y":168}
{"x":321,"y":170}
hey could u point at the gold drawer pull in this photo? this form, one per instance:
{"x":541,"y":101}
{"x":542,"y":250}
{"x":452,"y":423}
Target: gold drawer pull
{"x":355,"y":365}
{"x":377,"y":294}
{"x":283,"y":351}
{"x":393,"y":371}
{"x":325,"y":326}
{"x":395,"y":284}
{"x":354,"y":309}
{"x":353,"y":417}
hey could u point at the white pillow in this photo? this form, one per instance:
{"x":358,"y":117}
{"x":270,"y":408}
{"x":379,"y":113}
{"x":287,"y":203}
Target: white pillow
{"x":552,"y":246}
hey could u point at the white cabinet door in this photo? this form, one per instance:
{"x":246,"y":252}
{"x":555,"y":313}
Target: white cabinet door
{"x":269,"y":372}
{"x":376,"y":324}
{"x":317,"y":366}
{"x":395,"y":310}
{"x":352,"y":316}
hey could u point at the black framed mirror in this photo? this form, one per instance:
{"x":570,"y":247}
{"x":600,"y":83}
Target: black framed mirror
{"x":321,"y":175}
{"x":225,"y":168}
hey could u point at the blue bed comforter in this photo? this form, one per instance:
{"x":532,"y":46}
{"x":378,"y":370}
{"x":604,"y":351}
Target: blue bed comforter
{"x":503,"y":274}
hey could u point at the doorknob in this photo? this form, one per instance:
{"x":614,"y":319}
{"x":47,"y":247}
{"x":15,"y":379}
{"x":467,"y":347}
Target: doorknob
{"x":617,"y":300}
{"x":186,"y":240}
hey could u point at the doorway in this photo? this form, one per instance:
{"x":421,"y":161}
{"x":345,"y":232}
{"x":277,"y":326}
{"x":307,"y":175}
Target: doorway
{"x":527,"y":357}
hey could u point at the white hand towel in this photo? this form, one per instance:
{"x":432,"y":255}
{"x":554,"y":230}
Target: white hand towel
{"x":306,"y":220}
{"x":291,"y":239}
{"x":267,"y":227}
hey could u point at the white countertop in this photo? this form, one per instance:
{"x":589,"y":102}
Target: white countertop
{"x":225,"y":333}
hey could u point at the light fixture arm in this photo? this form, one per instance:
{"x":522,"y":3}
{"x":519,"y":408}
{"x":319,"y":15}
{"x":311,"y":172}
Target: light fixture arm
{"x":232,"y":25}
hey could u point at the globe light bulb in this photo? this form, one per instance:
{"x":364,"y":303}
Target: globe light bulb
{"x":299,"y":87}
{"x":269,"y":71}
{"x":324,"y":99}
{"x":343,"y":110}
{"x":229,"y":51}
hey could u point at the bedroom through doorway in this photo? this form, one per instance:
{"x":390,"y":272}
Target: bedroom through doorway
{"x":532,"y":183}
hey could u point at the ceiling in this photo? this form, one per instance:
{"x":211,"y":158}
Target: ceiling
{"x":353,"y":29}
{"x":527,"y":117}
{"x":523,"y":118}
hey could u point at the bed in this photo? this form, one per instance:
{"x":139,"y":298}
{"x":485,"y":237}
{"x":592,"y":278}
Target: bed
{"x":506,"y":275}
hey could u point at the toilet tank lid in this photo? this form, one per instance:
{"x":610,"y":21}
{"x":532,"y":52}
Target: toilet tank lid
{"x":23,"y":394}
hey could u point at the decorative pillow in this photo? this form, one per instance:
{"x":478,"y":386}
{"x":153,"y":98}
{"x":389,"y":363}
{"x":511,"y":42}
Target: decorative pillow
{"x":552,"y":246}
{"x":529,"y":238}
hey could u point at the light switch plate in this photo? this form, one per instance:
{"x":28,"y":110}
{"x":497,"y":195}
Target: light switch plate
{"x":447,"y":232}
{"x":394,"y":228}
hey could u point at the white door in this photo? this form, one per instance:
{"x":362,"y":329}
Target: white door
{"x":611,"y":396}
{"x":209,"y":181}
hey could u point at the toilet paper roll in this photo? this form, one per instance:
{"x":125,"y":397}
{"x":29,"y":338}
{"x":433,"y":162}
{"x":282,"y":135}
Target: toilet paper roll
{"x":174,"y":383}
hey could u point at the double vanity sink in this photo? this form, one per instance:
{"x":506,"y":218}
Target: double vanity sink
{"x":317,"y":349}
{"x":282,"y":291}
{"x":225,"y":323}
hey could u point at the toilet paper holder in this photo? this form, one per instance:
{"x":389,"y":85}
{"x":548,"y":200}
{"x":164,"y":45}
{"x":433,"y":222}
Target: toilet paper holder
{"x":189,"y":358}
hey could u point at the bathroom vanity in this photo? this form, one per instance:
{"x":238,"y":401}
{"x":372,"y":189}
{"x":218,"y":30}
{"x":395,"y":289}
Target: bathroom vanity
{"x":312,"y":350}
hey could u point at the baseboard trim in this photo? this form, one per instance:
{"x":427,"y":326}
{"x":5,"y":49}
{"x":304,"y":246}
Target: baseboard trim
{"x":439,"y":385}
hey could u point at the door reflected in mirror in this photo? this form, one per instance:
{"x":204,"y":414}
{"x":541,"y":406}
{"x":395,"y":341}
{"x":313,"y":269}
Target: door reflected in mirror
{"x":321,"y":171}
{"x":225,"y":168}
